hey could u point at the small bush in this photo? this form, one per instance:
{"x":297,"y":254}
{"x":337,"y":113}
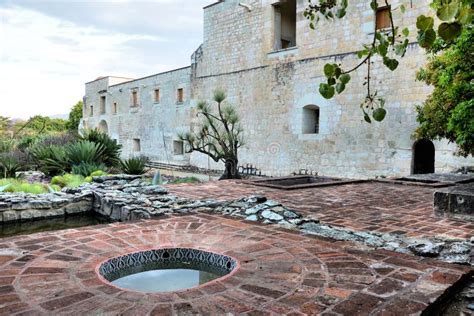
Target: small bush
{"x":68,"y":180}
{"x":86,"y":169}
{"x":6,"y":145}
{"x":134,"y":165}
{"x":98,"y":173}
{"x":9,"y":166}
{"x":14,"y":185}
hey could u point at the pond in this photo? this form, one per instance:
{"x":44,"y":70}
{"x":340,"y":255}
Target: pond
{"x":51,"y":224}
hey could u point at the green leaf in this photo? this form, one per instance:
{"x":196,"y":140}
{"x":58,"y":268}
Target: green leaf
{"x":340,"y":13}
{"x":426,"y":39}
{"x":447,"y":11}
{"x":326,"y":90}
{"x":449,"y":31}
{"x":367,"y":118}
{"x":406,"y":31}
{"x":379,"y":114}
{"x":391,"y":64}
{"x":374,"y":5}
{"x":337,"y":71}
{"x":345,"y":78}
{"x":329,"y":70}
{"x":382,"y":49}
{"x":424,"y":23}
{"x":362,"y":53}
{"x":331,"y":81}
{"x":340,"y":87}
{"x":402,"y":8}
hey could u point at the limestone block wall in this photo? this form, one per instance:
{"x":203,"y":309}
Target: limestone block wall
{"x":24,"y":207}
{"x":154,"y":124}
{"x":270,"y":89}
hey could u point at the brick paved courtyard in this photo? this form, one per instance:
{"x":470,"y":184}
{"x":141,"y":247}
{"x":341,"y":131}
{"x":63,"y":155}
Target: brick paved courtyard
{"x":281,"y":272}
{"x":371,"y":206}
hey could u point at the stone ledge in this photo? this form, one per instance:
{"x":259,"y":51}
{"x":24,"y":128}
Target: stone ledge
{"x":455,"y":201}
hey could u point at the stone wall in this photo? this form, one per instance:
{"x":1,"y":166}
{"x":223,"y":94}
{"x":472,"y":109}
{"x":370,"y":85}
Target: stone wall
{"x":270,"y":89}
{"x":24,"y":207}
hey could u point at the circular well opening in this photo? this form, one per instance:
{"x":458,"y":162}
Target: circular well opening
{"x":166,"y":270}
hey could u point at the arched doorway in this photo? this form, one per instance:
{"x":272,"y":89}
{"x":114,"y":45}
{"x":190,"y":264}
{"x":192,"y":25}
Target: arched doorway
{"x":103,"y":127}
{"x":423,"y":157}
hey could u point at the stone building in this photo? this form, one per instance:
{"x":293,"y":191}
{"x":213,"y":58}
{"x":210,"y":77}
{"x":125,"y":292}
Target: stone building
{"x":263,"y":53}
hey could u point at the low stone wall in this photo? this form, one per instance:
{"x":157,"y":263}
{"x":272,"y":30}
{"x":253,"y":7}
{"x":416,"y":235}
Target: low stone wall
{"x":455,"y":201}
{"x":24,"y":207}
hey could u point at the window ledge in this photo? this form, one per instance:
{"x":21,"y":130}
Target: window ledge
{"x":283,"y":52}
{"x":179,"y":102}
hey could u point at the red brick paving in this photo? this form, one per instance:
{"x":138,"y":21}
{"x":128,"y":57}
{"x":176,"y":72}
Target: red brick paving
{"x":371,"y":206}
{"x":281,"y":272}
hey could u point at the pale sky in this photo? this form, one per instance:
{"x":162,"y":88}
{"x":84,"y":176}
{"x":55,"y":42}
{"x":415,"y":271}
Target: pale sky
{"x":50,"y":48}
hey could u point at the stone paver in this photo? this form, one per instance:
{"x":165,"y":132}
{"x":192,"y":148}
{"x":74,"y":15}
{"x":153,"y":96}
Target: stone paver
{"x":371,"y":206}
{"x":281,"y":272}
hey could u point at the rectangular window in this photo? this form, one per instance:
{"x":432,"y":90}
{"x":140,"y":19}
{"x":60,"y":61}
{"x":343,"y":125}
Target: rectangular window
{"x":285,"y":24}
{"x":382,"y":18}
{"x":180,"y":96}
{"x":178,"y":147}
{"x":157,"y":95}
{"x":136,"y":145}
{"x":102,"y":104}
{"x":135,"y":102}
{"x":91,"y":110}
{"x":114,"y":108}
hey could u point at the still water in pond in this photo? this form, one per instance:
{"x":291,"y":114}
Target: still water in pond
{"x":166,"y":280}
{"x":51,"y":224}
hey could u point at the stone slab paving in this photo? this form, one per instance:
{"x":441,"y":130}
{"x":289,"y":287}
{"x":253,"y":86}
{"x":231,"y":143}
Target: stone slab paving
{"x":281,"y":272}
{"x":371,"y":206}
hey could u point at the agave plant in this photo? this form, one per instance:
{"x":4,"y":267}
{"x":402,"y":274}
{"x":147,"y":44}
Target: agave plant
{"x":111,"y":154}
{"x":134,"y":165}
{"x":51,"y":160}
{"x":9,"y":166}
{"x":84,"y":152}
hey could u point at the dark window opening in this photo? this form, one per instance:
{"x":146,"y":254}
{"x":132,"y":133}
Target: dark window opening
{"x":178,"y":147}
{"x":102,"y":104}
{"x":137,"y":145}
{"x":157,"y":95}
{"x":311,"y":119}
{"x":285,"y":24}
{"x":180,"y":96}
{"x":134,"y":98}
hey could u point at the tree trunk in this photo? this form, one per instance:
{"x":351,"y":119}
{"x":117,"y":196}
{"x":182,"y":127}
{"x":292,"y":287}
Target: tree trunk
{"x":231,"y":170}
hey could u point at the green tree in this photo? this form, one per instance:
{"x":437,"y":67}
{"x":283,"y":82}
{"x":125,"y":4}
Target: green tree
{"x":449,"y":111}
{"x":75,"y":116}
{"x":219,"y":136}
{"x":389,"y":44}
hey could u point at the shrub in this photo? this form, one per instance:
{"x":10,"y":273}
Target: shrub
{"x":111,"y":154}
{"x":9,"y":166}
{"x":7,"y":145}
{"x":51,"y":160}
{"x":98,"y":173}
{"x":68,"y":180}
{"x":86,"y":169}
{"x":134,"y":165}
{"x":14,"y":185}
{"x":84,"y":152}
